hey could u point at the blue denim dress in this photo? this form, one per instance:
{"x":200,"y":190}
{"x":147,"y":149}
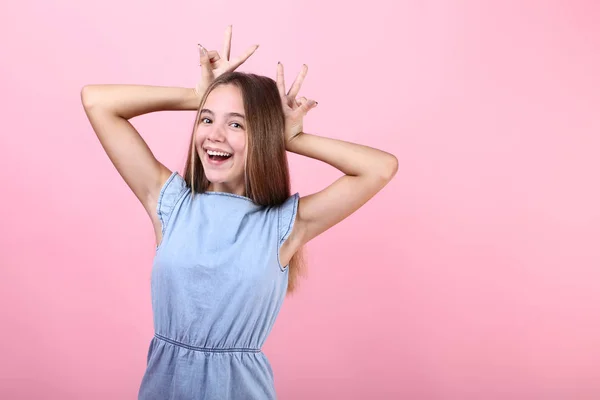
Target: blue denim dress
{"x":217,"y":287}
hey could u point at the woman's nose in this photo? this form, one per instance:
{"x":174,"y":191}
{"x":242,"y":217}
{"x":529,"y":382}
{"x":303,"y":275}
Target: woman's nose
{"x":217,"y":133}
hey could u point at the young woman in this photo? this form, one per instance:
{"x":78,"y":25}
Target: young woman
{"x":229,"y":232}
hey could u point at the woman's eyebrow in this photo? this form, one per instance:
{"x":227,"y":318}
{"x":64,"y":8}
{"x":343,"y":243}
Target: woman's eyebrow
{"x":232,"y":114}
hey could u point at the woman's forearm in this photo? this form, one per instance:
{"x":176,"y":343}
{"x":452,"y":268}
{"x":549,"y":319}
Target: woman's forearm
{"x":128,"y":101}
{"x":350,"y":158}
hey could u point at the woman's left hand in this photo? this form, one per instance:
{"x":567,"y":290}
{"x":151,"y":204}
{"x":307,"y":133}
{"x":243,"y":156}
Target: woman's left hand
{"x":215,"y":64}
{"x":294,"y":108}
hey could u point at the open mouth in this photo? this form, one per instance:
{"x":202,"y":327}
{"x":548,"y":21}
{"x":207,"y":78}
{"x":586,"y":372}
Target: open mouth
{"x":218,"y":156}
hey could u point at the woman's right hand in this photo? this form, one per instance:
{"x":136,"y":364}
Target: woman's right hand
{"x":214,"y":65}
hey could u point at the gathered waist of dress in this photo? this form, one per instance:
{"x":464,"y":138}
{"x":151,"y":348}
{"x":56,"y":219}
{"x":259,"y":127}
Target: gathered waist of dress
{"x":208,"y":349}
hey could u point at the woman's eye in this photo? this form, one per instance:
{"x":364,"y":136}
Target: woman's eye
{"x":236,"y":125}
{"x":205,"y":120}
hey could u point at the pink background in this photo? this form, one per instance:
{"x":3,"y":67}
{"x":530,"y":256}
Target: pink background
{"x":474,"y":275}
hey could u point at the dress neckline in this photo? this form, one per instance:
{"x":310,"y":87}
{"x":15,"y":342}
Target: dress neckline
{"x":238,"y":196}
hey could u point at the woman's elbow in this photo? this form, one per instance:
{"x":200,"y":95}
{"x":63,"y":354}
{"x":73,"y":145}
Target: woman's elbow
{"x":389,"y":167}
{"x":87,"y":96}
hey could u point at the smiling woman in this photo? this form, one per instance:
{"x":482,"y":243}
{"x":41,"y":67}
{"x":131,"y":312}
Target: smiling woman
{"x":240,"y":115}
{"x":229,"y":232}
{"x":220,"y":137}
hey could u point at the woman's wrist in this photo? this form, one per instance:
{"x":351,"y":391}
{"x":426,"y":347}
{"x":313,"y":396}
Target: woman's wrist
{"x":193,"y":101}
{"x":292,"y":143}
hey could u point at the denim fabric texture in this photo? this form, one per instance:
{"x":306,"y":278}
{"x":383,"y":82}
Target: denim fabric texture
{"x":217,"y":288}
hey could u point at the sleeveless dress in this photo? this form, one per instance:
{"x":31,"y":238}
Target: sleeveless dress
{"x":217,"y":286}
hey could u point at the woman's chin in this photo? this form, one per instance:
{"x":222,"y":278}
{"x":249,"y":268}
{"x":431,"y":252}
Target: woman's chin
{"x":216,"y":178}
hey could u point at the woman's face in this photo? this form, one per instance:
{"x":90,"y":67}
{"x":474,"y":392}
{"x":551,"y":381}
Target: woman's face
{"x":221,"y":139}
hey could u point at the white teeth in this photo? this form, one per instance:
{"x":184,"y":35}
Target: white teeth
{"x":217,"y":153}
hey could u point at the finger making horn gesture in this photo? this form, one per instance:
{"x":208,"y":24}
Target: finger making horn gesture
{"x":294,"y":108}
{"x":214,"y":64}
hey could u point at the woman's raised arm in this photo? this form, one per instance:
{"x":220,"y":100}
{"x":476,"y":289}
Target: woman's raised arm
{"x":109,"y":108}
{"x":367,"y":170}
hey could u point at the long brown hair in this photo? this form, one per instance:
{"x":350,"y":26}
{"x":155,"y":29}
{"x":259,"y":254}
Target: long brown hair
{"x":267,"y":175}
